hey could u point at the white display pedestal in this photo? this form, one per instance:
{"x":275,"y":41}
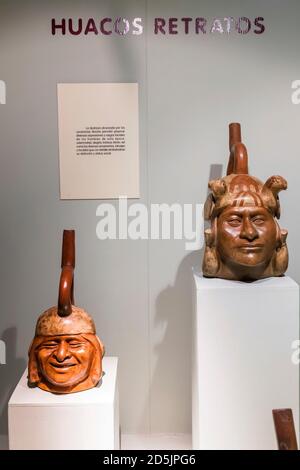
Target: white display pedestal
{"x":242,"y":367}
{"x":82,"y":420}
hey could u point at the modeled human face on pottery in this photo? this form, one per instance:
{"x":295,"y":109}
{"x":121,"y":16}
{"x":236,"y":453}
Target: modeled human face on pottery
{"x":246,"y":236}
{"x":65,"y":360}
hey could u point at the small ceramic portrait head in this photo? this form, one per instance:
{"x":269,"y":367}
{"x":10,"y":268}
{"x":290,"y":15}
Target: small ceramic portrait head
{"x":65,"y":355}
{"x":244,"y":241}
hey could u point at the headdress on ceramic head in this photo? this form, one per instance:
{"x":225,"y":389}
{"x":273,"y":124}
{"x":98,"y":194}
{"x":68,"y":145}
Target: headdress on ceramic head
{"x":239,"y":189}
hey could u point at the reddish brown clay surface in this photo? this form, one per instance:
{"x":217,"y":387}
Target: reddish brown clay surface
{"x":65,"y":355}
{"x":244,"y":241}
{"x":285,"y":429}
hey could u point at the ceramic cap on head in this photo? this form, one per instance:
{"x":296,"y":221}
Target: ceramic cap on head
{"x":240,"y":190}
{"x":50,"y":323}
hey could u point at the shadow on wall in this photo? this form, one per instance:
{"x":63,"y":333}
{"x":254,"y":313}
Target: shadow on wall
{"x":174,"y":312}
{"x":10,"y":374}
{"x":216,"y":172}
{"x":174,"y":308}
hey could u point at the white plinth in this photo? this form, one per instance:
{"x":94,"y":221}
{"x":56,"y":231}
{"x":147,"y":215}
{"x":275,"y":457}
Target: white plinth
{"x":242,"y":365}
{"x":83,"y":420}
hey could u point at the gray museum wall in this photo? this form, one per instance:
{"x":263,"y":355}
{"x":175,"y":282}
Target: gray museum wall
{"x":190,"y":88}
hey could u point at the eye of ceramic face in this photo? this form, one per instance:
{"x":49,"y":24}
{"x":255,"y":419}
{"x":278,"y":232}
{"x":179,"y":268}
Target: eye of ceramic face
{"x":49,"y":344}
{"x":234,"y":220}
{"x":258,"y":219}
{"x":75,"y":343}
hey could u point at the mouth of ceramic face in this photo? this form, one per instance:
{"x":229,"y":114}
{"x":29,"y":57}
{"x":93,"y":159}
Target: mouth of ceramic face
{"x":251,"y":248}
{"x":62,"y":366}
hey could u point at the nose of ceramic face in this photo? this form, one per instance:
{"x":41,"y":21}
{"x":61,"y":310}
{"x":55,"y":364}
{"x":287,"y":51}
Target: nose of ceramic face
{"x":248,"y":230}
{"x":62,"y":351}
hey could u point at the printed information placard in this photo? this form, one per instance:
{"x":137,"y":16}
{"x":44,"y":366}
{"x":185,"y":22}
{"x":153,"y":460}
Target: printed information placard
{"x":98,"y":140}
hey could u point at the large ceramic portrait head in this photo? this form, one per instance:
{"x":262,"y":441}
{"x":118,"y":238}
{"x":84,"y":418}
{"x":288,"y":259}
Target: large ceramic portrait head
{"x":244,"y":241}
{"x":65,"y":355}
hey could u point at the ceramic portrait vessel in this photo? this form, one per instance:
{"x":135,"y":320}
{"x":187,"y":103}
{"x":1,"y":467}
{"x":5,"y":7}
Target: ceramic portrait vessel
{"x":244,"y":240}
{"x":65,"y":355}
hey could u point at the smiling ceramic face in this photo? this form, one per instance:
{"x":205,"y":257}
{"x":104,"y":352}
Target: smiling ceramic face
{"x":65,"y":360}
{"x":246,"y":236}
